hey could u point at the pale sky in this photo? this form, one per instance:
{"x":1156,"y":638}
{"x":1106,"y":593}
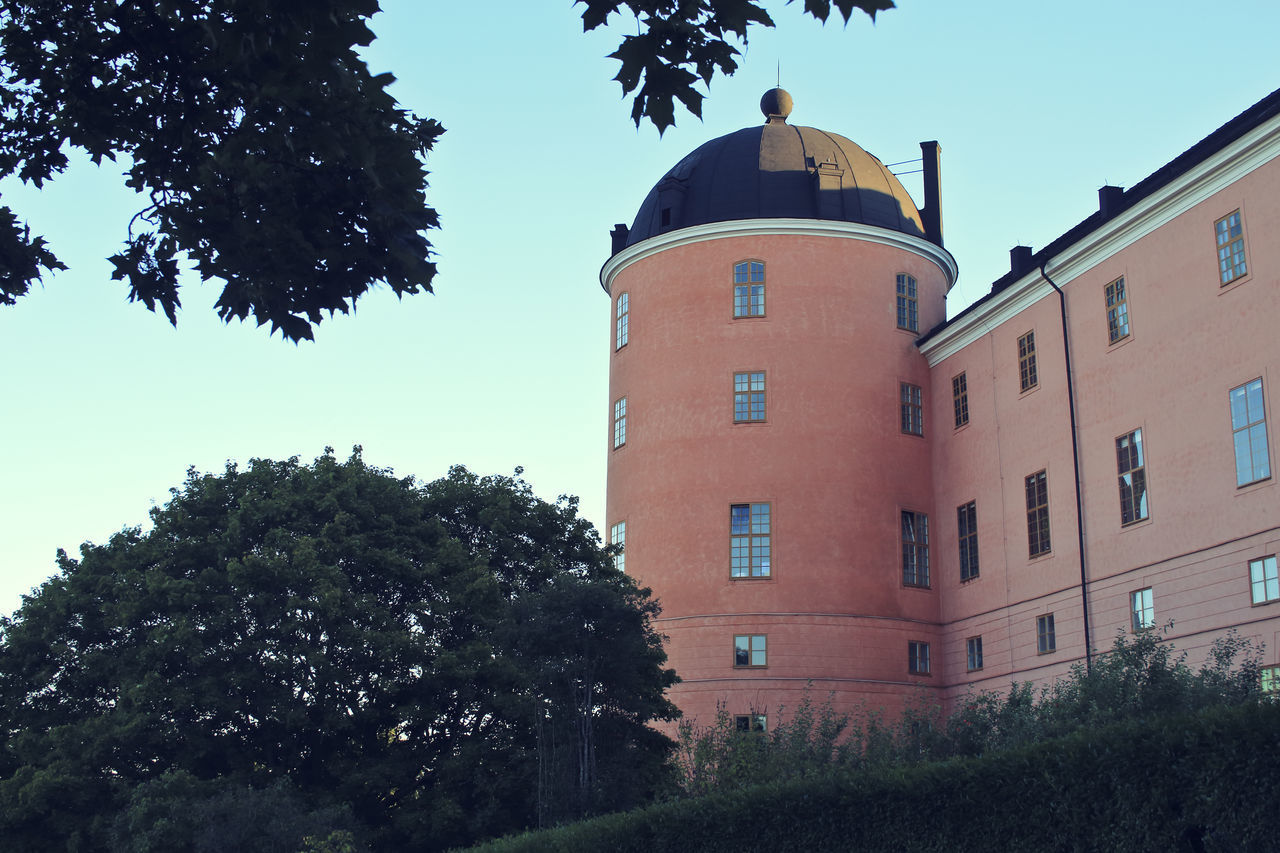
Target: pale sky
{"x":105,"y":406}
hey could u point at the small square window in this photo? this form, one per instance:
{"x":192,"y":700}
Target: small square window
{"x":1037,"y":486}
{"x":1046,"y":640}
{"x":1142,"y":610}
{"x":749,"y":547}
{"x":1249,"y":433}
{"x":1117,"y":311}
{"x":967,"y":527}
{"x":918,"y":658}
{"x":750,"y":722}
{"x":1132,"y":473}
{"x":748,"y":289}
{"x":973,"y":653}
{"x":915,"y":549}
{"x":1028,"y":377}
{"x":1264,"y":583}
{"x":908,"y":309}
{"x":748,"y":397}
{"x":1229,"y":232}
{"x":1270,"y":679}
{"x":619,"y":422}
{"x":618,"y":538}
{"x":911,"y":407}
{"x":960,"y":399}
{"x":749,"y":650}
{"x":622,"y":325}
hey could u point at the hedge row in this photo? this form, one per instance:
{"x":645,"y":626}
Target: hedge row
{"x":1208,"y":782}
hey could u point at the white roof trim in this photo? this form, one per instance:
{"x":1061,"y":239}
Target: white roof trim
{"x":1226,"y":166}
{"x":773,"y":227}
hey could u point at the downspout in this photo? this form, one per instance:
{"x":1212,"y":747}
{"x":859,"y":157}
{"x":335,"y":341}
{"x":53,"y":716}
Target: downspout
{"x":1075,"y":458}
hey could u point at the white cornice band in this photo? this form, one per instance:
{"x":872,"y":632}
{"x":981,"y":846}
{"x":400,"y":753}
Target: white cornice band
{"x":1197,"y":184}
{"x":775,"y":227}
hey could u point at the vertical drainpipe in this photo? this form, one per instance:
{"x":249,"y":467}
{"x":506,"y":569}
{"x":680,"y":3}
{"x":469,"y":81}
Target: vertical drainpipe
{"x":1075,"y":458}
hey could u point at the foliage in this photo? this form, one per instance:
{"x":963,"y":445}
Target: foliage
{"x":1201,"y":783}
{"x":1140,"y":678}
{"x":451,"y":660}
{"x":679,"y":43}
{"x":269,"y":155}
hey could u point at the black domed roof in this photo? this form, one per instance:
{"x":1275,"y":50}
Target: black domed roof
{"x":777,"y":170}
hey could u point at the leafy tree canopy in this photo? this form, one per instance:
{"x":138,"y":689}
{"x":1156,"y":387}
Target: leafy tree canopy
{"x":451,"y":660}
{"x":270,"y":156}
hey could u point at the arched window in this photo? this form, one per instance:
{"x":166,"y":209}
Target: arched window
{"x":748,"y":289}
{"x":622,"y":328}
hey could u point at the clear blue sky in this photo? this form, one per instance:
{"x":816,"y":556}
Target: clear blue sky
{"x":1036,"y":105}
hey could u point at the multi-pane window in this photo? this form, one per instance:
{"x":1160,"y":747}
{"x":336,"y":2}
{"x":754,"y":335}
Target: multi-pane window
{"x":619,"y":422}
{"x":1142,"y":610}
{"x":918,"y":658}
{"x":748,"y":397}
{"x":622,"y":326}
{"x":748,"y":289}
{"x":1132,"y":473}
{"x":1269,"y":679}
{"x":1027,"y":376}
{"x":618,"y":538}
{"x":749,"y":540}
{"x":1249,"y":432}
{"x":973,"y":653}
{"x":1046,"y":640}
{"x":749,"y":650}
{"x":912,"y":408}
{"x":750,"y":722}
{"x":967,"y":525}
{"x":960,"y":399}
{"x":908,"y":308}
{"x":1037,"y":514}
{"x":915,"y":548}
{"x":1230,"y":236}
{"x":1263,"y":582}
{"x":1117,"y":311}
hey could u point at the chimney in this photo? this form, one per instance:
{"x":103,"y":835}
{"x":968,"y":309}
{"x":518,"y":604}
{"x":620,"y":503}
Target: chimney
{"x":931,"y":213}
{"x":1109,"y":199}
{"x":619,"y":234}
{"x":1020,"y":260}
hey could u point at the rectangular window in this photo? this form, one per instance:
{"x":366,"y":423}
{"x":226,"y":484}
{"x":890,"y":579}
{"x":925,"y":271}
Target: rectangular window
{"x":1117,"y":311}
{"x":749,"y":650}
{"x":1132,"y":473}
{"x":748,"y":289}
{"x":912,"y":408}
{"x":750,"y":722}
{"x":748,"y":397}
{"x":618,"y":538}
{"x":1249,"y":433}
{"x":1270,"y":679}
{"x":749,"y":540}
{"x":918,"y":658}
{"x":1046,"y":641}
{"x":908,"y":310}
{"x":1263,"y":581}
{"x":1037,"y":514}
{"x":622,"y":328}
{"x":619,"y":422}
{"x":915,"y":549}
{"x":1027,"y":375}
{"x":1142,"y":610}
{"x":960,"y":399}
{"x":967,"y":525}
{"x":1229,"y":231}
{"x":973,"y":653}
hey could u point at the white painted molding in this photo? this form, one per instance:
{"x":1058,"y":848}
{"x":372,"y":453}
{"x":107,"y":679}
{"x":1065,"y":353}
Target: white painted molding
{"x":775,"y":227}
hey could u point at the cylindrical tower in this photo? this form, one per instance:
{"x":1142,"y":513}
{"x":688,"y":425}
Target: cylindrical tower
{"x":768,"y":473}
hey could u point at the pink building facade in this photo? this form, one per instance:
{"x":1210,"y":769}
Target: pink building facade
{"x":827,"y":483}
